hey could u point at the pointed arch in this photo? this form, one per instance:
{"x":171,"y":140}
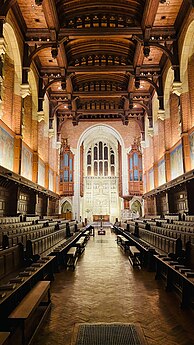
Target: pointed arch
{"x":14,"y":52}
{"x":186,"y":53}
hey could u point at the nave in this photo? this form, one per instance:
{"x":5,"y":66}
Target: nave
{"x":105,"y":288}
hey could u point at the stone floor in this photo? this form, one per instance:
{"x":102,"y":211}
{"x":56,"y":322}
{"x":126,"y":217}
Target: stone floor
{"x":105,"y":288}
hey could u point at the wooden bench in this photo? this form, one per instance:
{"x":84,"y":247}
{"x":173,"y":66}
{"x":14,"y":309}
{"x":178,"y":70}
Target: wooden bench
{"x":134,"y":256}
{"x":11,"y":219}
{"x":24,"y":234}
{"x":44,"y":244}
{"x":60,"y":250}
{"x":123,"y":242}
{"x":4,"y":338}
{"x":80,"y":244}
{"x":162,"y":243}
{"x":11,"y":259}
{"x":14,"y":287}
{"x":147,"y":251}
{"x":178,"y":278}
{"x":30,"y":313}
{"x":72,"y":257}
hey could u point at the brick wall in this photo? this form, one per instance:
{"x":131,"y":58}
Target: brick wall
{"x":73,"y":133}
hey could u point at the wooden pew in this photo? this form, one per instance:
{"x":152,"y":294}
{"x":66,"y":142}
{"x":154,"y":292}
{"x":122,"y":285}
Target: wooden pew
{"x":24,"y":234}
{"x":4,"y":338}
{"x":134,"y":256}
{"x":72,"y":257}
{"x":31,"y":311}
{"x":85,"y":235}
{"x":163,"y":244}
{"x":60,"y":250}
{"x":11,"y":260}
{"x":44,"y":244}
{"x":178,"y":278}
{"x":18,"y":284}
{"x":189,"y":218}
{"x":80,"y":244}
{"x":9,"y":220}
{"x":123,"y":242}
{"x":174,"y":233}
{"x":171,"y":217}
{"x":147,"y":251}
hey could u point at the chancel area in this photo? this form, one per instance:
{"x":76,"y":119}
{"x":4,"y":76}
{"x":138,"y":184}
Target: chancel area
{"x":96,"y":172}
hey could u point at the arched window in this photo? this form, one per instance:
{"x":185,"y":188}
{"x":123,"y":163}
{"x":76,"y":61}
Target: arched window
{"x":135,"y":166}
{"x":135,"y":170}
{"x":100,"y":160}
{"x":66,"y":170}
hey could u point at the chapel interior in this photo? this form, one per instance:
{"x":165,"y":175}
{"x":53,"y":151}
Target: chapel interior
{"x":96,"y":172}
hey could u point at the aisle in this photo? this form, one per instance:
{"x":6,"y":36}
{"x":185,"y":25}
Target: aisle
{"x":105,"y":288}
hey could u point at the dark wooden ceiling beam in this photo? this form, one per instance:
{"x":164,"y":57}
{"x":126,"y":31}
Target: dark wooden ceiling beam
{"x":149,"y":14}
{"x":109,"y":111}
{"x":101,"y":69}
{"x":183,"y":14}
{"x":93,"y":32}
{"x":99,"y":94}
{"x":44,"y":34}
{"x":138,"y":55}
{"x":50,"y":13}
{"x":51,"y":16}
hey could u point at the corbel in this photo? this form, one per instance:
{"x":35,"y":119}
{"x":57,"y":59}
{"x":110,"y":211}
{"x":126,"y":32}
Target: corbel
{"x":75,"y":119}
{"x":146,"y":46}
{"x":125,"y":118}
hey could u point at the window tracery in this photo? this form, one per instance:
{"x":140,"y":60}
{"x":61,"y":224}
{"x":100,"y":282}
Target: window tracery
{"x":135,"y":169}
{"x":101,"y":160}
{"x":66,"y":170}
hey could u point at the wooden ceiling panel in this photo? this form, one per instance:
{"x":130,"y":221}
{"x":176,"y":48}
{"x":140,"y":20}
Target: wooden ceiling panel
{"x":33,"y":15}
{"x":86,"y":13}
{"x":104,"y":82}
{"x":102,"y":49}
{"x":46,"y":59}
{"x":167,"y":13}
{"x":94,"y":49}
{"x":154,"y":56}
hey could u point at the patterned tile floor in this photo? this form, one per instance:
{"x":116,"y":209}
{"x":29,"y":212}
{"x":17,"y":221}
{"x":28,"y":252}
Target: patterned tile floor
{"x":105,"y":288}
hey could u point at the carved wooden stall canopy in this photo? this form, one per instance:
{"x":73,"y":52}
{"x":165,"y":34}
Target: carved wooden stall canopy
{"x":100,"y":59}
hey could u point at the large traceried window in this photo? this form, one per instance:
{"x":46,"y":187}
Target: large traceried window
{"x":101,"y":160}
